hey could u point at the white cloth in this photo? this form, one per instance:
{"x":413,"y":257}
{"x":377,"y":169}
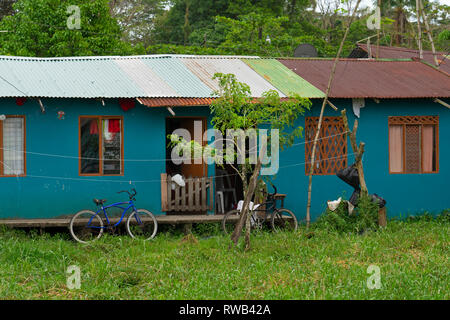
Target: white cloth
{"x":333,"y":205}
{"x":251,"y":205}
{"x":358,"y":103}
{"x":178,"y":179}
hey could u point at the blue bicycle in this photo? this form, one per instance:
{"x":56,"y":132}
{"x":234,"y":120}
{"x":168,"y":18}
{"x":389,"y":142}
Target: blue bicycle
{"x":87,"y":225}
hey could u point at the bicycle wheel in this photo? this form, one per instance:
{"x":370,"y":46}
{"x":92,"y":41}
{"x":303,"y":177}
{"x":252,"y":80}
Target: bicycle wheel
{"x":232,"y":217}
{"x":284,"y":219}
{"x":142,"y":224}
{"x":229,"y":221}
{"x":86,"y":226}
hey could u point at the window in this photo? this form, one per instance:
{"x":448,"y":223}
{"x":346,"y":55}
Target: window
{"x":413,"y":144}
{"x":331,"y":150}
{"x":12,"y":144}
{"x":101,"y":145}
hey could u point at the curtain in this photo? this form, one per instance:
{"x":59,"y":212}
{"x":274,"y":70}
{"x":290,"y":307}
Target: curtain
{"x":396,"y":148}
{"x":13,"y":141}
{"x":428,"y":148}
{"x":89,"y":146}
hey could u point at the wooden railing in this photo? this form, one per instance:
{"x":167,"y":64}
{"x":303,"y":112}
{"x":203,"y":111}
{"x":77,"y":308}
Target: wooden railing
{"x":192,"y":197}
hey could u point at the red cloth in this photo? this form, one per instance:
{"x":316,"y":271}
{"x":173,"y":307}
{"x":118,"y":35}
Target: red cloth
{"x":114,"y":125}
{"x":126,"y":104}
{"x":94,"y":127}
{"x":20,"y":101}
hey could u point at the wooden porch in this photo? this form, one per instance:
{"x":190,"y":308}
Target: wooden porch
{"x":186,"y":205}
{"x":64,"y":222}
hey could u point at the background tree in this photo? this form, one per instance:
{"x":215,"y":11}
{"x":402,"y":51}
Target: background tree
{"x":137,"y":18}
{"x":6,"y":8}
{"x":39,"y":28}
{"x":185,"y":16}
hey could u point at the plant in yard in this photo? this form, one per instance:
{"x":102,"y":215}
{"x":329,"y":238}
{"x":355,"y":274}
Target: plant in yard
{"x":363,"y":218}
{"x":444,"y":216}
{"x":366,"y":217}
{"x":236,"y":110}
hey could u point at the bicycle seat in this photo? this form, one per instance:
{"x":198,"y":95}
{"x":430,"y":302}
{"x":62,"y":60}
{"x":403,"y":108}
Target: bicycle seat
{"x":99,"y":201}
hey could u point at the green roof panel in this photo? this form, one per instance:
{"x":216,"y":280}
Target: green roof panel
{"x":283,"y":78}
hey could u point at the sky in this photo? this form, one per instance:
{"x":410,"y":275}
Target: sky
{"x":367,"y":3}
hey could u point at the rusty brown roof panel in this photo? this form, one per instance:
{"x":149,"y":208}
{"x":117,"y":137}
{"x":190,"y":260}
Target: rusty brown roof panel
{"x":184,"y":102}
{"x":175,"y":102}
{"x":364,"y":78}
{"x":386,"y":52}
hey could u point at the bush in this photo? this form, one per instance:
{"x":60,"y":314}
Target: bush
{"x":363,"y":218}
{"x":444,"y":217}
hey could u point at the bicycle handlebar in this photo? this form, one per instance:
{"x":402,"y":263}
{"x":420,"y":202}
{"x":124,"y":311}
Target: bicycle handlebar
{"x":129,"y":194}
{"x":274,"y":189}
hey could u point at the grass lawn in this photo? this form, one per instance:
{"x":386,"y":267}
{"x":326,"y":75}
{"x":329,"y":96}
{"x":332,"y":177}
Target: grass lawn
{"x":413,"y":258}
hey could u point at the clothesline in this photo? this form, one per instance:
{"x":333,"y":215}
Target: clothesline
{"x":136,"y":160}
{"x":131,"y":182}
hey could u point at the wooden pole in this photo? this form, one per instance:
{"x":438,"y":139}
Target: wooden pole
{"x":419,"y":29}
{"x":319,"y":126}
{"x":378,"y":33}
{"x":442,"y":102}
{"x":430,"y":36}
{"x":358,"y":151}
{"x":382,"y":219}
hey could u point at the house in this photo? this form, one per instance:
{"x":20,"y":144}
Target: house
{"x":401,"y":122}
{"x":363,"y":50}
{"x":78,"y":128}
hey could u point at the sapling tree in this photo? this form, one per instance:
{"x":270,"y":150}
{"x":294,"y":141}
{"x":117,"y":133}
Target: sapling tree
{"x":236,"y":116}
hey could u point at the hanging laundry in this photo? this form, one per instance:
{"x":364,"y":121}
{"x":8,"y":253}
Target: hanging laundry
{"x":94,"y":127}
{"x":126,"y":104}
{"x":114,"y":125}
{"x":20,"y":101}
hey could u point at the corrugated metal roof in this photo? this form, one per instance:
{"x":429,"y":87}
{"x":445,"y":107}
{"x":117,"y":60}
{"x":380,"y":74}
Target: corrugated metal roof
{"x":175,"y":74}
{"x":145,"y":78}
{"x":205,"y":68}
{"x":123,"y":77}
{"x":406,"y":53}
{"x":357,"y":78}
{"x":64,"y":78}
{"x":283,"y":78}
{"x":181,"y":76}
{"x":175,"y":102}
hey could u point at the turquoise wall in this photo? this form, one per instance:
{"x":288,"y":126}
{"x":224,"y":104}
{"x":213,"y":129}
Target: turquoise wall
{"x":38,"y":195}
{"x":405,"y":193}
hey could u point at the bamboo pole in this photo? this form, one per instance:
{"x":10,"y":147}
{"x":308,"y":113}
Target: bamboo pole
{"x":319,"y":126}
{"x":419,"y":29}
{"x":430,"y":37}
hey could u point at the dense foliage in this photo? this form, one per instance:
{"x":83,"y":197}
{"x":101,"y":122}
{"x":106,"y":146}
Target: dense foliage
{"x":40,"y":28}
{"x":247,"y":27}
{"x":364,"y":218}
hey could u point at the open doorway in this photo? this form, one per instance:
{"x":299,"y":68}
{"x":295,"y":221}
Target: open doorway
{"x":228,"y":189}
{"x":188,"y":123}
{"x":188,"y":189}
